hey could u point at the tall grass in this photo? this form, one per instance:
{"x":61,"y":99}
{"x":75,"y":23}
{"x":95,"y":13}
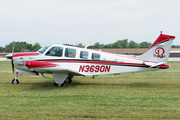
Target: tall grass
{"x":145,"y":95}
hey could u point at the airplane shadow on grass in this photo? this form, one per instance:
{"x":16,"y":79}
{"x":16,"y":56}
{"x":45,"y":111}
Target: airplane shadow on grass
{"x":48,"y":85}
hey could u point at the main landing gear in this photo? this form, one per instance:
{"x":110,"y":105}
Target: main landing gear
{"x":68,"y":80}
{"x":15,"y":80}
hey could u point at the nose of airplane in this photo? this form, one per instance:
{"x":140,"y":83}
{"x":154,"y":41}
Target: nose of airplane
{"x":9,"y":56}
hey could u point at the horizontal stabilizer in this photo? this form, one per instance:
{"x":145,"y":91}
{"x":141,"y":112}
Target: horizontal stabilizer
{"x":151,"y":64}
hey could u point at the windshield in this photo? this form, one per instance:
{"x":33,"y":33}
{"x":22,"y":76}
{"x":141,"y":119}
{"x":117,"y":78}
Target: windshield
{"x":43,"y":49}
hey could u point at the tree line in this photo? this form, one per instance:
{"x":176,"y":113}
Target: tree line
{"x":18,"y":46}
{"x":122,"y":44}
{"x":125,"y":44}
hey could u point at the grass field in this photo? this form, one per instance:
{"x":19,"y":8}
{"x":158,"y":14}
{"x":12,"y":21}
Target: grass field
{"x":145,"y":95}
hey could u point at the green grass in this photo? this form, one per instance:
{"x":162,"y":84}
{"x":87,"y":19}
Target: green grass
{"x":145,"y":95}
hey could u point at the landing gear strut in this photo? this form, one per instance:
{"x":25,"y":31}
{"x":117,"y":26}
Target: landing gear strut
{"x":68,"y":80}
{"x":15,"y":80}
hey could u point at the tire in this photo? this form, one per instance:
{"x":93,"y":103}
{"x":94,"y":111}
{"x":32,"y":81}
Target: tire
{"x":15,"y":81}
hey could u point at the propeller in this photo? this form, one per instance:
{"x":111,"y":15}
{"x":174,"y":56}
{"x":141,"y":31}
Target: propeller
{"x":12,"y":65}
{"x":12,"y":57}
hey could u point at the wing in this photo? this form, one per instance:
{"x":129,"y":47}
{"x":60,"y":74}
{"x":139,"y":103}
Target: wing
{"x":45,"y":66}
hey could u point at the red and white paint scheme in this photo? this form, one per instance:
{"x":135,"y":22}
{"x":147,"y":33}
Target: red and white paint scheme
{"x":64,"y":62}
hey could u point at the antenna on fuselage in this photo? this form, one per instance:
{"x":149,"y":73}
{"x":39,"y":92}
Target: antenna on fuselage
{"x":87,"y":46}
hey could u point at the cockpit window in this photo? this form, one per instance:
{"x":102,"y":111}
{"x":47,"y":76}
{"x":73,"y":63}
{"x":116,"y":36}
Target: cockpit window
{"x":43,"y":49}
{"x":55,"y":51}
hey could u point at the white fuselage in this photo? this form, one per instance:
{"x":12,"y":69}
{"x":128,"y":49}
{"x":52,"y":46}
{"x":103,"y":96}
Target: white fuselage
{"x":104,"y":63}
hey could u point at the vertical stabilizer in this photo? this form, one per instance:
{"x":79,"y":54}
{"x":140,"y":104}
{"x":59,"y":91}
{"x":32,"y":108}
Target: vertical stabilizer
{"x":159,"y":50}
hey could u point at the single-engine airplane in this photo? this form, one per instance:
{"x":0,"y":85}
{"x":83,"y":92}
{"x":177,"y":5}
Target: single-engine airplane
{"x":64,"y":62}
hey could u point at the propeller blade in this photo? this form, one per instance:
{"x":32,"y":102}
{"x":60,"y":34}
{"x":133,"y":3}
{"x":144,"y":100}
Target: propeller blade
{"x":12,"y":65}
{"x":12,"y":57}
{"x":12,"y":49}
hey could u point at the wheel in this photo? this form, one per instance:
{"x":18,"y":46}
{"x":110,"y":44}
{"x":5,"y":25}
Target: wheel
{"x":68,"y":80}
{"x":15,"y":81}
{"x":58,"y":84}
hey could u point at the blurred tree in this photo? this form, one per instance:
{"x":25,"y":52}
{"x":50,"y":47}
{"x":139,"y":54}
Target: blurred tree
{"x":175,"y":46}
{"x":116,"y":45}
{"x":145,"y":44}
{"x":36,"y":47}
{"x":124,"y":43}
{"x":80,"y":44}
{"x":18,"y":46}
{"x":8,"y":48}
{"x":108,"y":46}
{"x":96,"y":45}
{"x":120,"y":44}
{"x":1,"y":49}
{"x":133,"y":44}
{"x":29,"y":46}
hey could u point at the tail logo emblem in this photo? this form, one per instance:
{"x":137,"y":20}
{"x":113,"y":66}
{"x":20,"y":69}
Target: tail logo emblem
{"x":159,"y":52}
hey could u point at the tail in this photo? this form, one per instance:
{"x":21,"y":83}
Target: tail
{"x":159,"y":50}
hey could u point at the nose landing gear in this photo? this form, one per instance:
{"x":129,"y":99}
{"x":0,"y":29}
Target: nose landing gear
{"x":15,"y":80}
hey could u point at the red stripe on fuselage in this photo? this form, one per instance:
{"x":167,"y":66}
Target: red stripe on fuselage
{"x":25,"y":54}
{"x":110,"y":63}
{"x":98,"y":62}
{"x":36,"y":64}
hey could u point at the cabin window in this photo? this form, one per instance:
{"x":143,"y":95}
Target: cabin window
{"x":69,"y":52}
{"x":95,"y":56}
{"x":84,"y":54}
{"x":55,"y":51}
